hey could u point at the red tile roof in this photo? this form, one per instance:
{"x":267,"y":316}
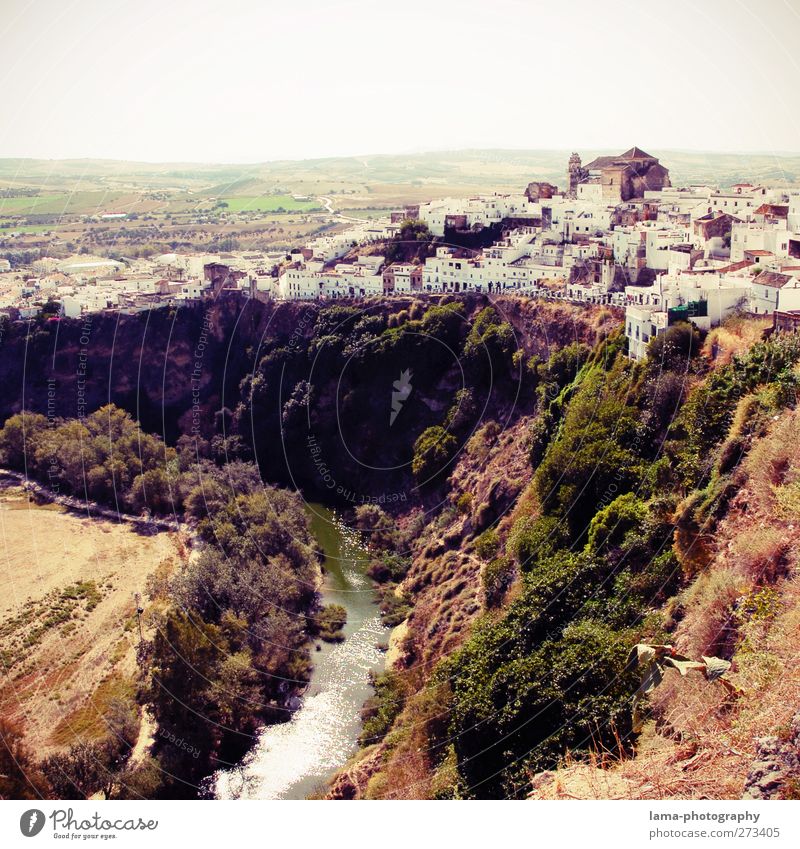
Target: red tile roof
{"x":772,"y":279}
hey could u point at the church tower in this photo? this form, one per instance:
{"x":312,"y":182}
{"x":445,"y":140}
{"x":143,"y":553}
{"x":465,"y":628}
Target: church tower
{"x":574,"y":175}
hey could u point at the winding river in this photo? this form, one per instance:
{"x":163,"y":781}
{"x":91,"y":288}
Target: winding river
{"x":296,"y":758}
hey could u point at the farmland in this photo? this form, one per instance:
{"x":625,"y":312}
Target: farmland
{"x":269,"y":203}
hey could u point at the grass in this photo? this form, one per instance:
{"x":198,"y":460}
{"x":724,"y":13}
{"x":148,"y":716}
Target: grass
{"x":269,"y":203}
{"x":61,"y":203}
{"x":22,"y":633}
{"x":10,"y":228}
{"x":90,"y":720}
{"x":367,"y":214}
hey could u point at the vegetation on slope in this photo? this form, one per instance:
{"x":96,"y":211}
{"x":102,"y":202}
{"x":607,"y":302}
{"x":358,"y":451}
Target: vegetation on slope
{"x":636,"y":464}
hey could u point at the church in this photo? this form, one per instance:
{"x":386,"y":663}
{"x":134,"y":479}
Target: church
{"x":613,"y":179}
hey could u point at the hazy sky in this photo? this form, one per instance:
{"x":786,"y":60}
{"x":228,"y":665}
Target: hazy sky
{"x":253,"y":80}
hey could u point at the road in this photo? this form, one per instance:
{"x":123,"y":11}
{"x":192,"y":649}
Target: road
{"x":328,"y":204}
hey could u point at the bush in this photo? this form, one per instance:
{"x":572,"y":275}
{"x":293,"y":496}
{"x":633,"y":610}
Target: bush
{"x":487,"y":543}
{"x":610,"y":525}
{"x":593,"y":455}
{"x":433,"y":450}
{"x":378,"y":529}
{"x":394,"y":607}
{"x":497,"y":578}
{"x":532,"y":540}
{"x":330,"y":622}
{"x":389,"y":567}
{"x":674,"y":349}
{"x":20,"y":777}
{"x":381,"y":710}
{"x":464,"y":503}
{"x":518,"y":706}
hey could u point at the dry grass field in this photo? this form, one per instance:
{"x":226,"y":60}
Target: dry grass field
{"x":68,"y":630}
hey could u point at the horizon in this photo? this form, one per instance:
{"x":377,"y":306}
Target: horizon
{"x":605,"y":149}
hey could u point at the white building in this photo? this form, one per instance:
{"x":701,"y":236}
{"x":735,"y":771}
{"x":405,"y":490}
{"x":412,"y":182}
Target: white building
{"x":704,"y":298}
{"x":773,"y":291}
{"x":749,"y":236}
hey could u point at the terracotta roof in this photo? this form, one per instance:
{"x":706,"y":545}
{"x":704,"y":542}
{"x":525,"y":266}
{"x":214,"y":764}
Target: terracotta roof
{"x":717,"y":213}
{"x":601,"y":162}
{"x":772,"y":279}
{"x":772,"y":209}
{"x":635,"y":153}
{"x":758,"y":252}
{"x":736,"y":266}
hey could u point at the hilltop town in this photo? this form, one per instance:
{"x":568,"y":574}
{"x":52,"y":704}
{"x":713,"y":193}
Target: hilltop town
{"x":616,"y":233}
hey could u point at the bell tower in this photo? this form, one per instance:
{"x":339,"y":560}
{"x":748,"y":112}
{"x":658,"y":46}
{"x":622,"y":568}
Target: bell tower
{"x":574,"y":174}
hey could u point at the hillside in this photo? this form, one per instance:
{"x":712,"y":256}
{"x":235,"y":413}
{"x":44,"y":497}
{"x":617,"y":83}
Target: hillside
{"x":69,"y":631}
{"x":459,"y":171}
{"x":534,"y":504}
{"x":663,"y":510}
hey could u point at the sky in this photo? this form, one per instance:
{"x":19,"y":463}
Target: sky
{"x":241,"y":81}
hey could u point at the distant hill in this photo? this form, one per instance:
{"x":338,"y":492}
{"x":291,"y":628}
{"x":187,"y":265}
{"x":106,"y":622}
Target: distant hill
{"x":462,"y":171}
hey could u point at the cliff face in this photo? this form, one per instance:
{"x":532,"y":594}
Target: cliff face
{"x":155,"y":365}
{"x":309,"y":395}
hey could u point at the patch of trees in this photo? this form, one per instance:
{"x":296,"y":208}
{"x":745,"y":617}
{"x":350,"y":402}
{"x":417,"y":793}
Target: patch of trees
{"x":105,"y":457}
{"x":336,"y":384}
{"x":231,"y":650}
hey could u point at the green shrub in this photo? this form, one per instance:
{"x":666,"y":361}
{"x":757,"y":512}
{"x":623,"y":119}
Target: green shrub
{"x":464,"y":502}
{"x":388,"y":567}
{"x":433,"y":450}
{"x":381,"y":709}
{"x":394,"y":607}
{"x":497,"y":578}
{"x":330,"y":622}
{"x":487,"y":543}
{"x":532,"y":540}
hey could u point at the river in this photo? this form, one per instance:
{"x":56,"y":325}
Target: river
{"x":294,"y":759}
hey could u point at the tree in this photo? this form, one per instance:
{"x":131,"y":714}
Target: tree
{"x":19,"y":437}
{"x":186,"y":652}
{"x":20,"y":776}
{"x":80,"y":772}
